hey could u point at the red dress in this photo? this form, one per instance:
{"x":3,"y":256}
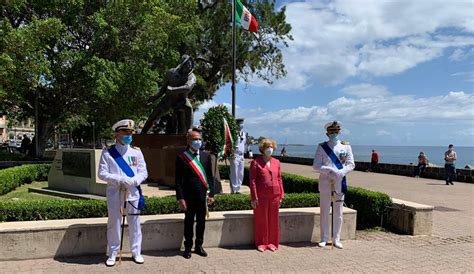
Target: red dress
{"x":266,"y":186}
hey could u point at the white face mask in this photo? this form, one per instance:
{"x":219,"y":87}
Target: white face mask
{"x":268,"y":151}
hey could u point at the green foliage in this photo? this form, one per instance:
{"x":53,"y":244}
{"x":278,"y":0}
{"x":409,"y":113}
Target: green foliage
{"x":70,"y":209}
{"x":214,"y":132}
{"x":11,"y":178}
{"x":82,"y":59}
{"x":22,"y":193}
{"x":51,"y":210}
{"x":370,"y":205}
{"x":299,"y":192}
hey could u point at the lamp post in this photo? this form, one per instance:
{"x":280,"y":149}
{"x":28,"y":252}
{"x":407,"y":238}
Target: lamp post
{"x":93,"y":133}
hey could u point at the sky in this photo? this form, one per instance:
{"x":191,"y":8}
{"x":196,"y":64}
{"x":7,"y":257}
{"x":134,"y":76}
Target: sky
{"x":393,"y":72}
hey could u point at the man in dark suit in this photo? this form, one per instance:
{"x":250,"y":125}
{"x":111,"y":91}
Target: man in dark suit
{"x":194,"y":190}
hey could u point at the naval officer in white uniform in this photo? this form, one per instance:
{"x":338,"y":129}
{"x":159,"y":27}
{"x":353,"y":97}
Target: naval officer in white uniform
{"x":118,"y":183}
{"x":237,"y":164}
{"x":332,"y":183}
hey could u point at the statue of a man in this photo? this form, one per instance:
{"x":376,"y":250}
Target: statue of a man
{"x":174,"y":97}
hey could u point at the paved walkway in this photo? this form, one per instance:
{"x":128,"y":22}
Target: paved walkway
{"x":450,"y":249}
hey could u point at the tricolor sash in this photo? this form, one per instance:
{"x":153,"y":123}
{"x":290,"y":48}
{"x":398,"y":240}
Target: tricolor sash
{"x":336,"y":161}
{"x":197,"y":167}
{"x":228,"y":140}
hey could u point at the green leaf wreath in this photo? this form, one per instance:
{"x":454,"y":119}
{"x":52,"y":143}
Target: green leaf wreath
{"x":214,"y":133}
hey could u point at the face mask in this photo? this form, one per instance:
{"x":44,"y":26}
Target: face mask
{"x":196,"y":144}
{"x":241,"y":127}
{"x":268,"y":151}
{"x":127,"y":139}
{"x":333,"y":136}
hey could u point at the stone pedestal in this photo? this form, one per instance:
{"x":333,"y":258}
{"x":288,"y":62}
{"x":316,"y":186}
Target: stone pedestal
{"x":160,"y":151}
{"x":75,"y":170}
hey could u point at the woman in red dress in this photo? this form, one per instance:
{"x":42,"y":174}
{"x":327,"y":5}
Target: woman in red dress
{"x":266,"y":189}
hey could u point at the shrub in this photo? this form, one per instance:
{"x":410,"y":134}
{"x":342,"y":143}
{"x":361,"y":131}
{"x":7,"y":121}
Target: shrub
{"x":14,"y":177}
{"x":299,"y":192}
{"x":370,"y":205}
{"x":71,"y":209}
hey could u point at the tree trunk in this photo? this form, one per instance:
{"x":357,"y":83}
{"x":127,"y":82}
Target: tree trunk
{"x":45,"y":128}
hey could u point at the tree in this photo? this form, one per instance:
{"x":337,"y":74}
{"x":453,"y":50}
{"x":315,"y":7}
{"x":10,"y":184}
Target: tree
{"x":82,"y":61}
{"x":214,"y":132}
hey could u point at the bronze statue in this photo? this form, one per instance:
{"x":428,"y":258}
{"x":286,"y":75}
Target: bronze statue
{"x":174,"y":98}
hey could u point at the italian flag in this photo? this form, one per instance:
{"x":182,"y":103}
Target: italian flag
{"x":244,"y":17}
{"x":228,"y":142}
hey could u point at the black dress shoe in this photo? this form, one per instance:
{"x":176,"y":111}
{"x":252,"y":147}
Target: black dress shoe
{"x":187,"y":254}
{"x":200,"y":251}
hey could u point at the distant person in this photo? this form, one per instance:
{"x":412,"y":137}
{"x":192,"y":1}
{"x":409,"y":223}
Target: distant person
{"x":25,"y":144}
{"x":450,"y":157}
{"x":422,"y":163}
{"x":283,"y":152}
{"x":266,"y":191}
{"x":333,"y":161}
{"x":250,"y":154}
{"x":237,"y":163}
{"x":374,"y":161}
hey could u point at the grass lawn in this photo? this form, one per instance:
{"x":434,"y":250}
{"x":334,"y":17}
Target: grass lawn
{"x":22,"y":194}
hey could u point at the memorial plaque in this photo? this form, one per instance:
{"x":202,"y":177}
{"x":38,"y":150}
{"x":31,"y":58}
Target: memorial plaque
{"x":77,"y":164}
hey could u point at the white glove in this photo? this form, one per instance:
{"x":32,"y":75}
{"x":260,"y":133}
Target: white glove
{"x":126,"y":182}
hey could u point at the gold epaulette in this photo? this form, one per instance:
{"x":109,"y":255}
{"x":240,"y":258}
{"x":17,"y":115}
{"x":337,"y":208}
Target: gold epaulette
{"x":137,"y":148}
{"x":345,"y":142}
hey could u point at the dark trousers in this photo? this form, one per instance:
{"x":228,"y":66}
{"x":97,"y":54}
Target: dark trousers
{"x":194,"y":209}
{"x":449,"y":173}
{"x":373,"y":166}
{"x":419,"y":169}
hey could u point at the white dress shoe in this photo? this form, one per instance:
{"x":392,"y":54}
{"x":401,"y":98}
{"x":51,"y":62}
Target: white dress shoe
{"x":322,"y":244}
{"x":338,"y":245}
{"x":138,"y":259}
{"x":110,"y":261}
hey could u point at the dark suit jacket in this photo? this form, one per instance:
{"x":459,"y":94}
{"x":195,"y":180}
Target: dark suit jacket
{"x":188,"y":185}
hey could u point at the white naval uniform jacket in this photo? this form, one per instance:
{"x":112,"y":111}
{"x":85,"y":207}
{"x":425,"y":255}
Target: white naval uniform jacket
{"x":110,"y":172}
{"x":323,"y":164}
{"x":240,"y":147}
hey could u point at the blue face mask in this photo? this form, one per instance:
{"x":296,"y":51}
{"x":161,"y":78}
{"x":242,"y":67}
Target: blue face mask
{"x":333,"y":136}
{"x":127,"y":139}
{"x":196,"y":144}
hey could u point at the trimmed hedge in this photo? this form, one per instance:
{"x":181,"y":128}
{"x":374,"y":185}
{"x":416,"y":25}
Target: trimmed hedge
{"x":370,"y":205}
{"x":11,"y":178}
{"x":299,"y":192}
{"x":71,"y":209}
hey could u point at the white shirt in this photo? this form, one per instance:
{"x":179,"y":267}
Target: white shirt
{"x":110,"y":172}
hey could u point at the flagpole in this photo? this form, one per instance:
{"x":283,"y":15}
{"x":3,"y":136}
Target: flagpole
{"x":234,"y":38}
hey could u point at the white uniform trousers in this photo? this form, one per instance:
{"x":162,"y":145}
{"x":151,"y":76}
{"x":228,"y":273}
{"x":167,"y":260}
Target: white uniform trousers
{"x":236,"y":173}
{"x":114,"y":228}
{"x":325,"y":206}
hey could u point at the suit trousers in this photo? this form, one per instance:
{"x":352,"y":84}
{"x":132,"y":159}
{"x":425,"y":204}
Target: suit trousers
{"x":266,"y":221}
{"x":195,"y":209}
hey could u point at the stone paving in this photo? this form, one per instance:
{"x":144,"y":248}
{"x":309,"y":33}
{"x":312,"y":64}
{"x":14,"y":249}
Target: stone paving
{"x":449,"y":250}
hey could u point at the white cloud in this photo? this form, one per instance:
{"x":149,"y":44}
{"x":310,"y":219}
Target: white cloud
{"x":336,"y":40}
{"x":468,"y":75}
{"x":383,"y":132}
{"x":365,"y":90}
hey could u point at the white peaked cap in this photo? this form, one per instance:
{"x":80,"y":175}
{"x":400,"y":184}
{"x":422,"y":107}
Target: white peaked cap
{"x":124,"y":124}
{"x":333,"y":124}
